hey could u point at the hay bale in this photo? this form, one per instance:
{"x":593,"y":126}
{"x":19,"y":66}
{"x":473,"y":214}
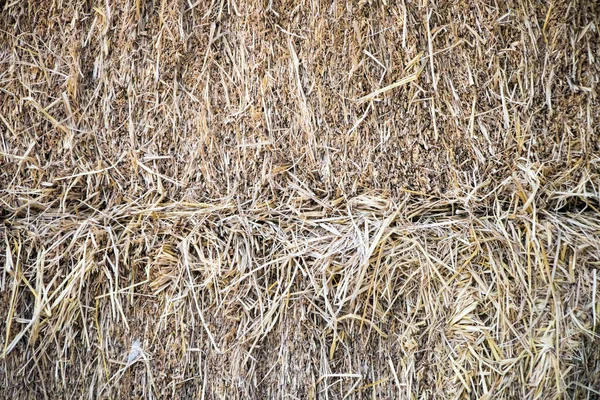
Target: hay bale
{"x":315,"y":199}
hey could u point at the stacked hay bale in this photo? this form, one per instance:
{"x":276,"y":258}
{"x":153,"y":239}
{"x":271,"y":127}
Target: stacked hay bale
{"x":315,"y":199}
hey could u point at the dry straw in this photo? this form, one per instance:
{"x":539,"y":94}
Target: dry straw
{"x":315,"y":199}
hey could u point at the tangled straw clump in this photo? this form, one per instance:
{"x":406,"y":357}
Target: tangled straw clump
{"x":316,"y":199}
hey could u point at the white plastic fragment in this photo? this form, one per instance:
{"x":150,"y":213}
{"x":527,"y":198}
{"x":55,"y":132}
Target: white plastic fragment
{"x":135,"y":352}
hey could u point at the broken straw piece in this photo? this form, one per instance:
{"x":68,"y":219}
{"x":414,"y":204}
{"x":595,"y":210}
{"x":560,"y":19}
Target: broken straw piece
{"x":394,"y":85}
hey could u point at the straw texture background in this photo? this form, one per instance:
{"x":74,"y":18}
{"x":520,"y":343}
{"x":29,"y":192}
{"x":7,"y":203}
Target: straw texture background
{"x":376,"y":199}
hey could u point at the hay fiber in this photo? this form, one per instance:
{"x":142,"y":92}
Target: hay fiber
{"x":307,"y":199}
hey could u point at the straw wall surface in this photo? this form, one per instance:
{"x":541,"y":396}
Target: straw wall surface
{"x":308,"y":199}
